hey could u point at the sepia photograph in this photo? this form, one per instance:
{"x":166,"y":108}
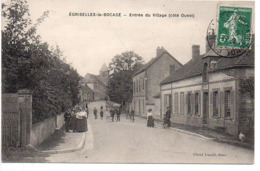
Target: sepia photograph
{"x":128,"y":82}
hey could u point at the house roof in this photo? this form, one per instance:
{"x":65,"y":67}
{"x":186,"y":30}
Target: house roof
{"x":90,"y":78}
{"x":153,"y":60}
{"x":86,"y":88}
{"x":194,"y":66}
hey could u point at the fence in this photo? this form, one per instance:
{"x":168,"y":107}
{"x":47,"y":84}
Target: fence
{"x":16,"y":118}
{"x":17,"y":128}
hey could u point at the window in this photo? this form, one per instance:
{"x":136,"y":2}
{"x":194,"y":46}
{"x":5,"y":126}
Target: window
{"x":137,"y":86}
{"x":227,"y":103}
{"x":213,"y":64}
{"x":182,"y":103}
{"x":189,"y":103}
{"x":196,"y":103}
{"x":176,"y":103}
{"x":205,"y":73}
{"x":215,"y":104}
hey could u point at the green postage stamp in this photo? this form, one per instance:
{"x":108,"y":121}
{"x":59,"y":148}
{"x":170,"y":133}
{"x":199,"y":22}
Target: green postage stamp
{"x":234,"y":27}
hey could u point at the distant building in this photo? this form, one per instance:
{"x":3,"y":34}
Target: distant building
{"x":146,"y":81}
{"x":205,"y":91}
{"x":94,"y":87}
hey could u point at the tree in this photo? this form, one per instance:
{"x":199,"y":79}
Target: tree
{"x":121,"y":68}
{"x":247,"y":87}
{"x":29,"y":63}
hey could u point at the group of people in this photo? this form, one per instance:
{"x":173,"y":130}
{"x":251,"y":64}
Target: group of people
{"x":76,"y":119}
{"x":117,"y":112}
{"x":109,"y":113}
{"x":166,"y":119}
{"x":101,"y":112}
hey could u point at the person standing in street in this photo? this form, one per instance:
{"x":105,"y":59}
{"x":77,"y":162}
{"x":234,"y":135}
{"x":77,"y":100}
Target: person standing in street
{"x":132,"y":115}
{"x":150,"y":119}
{"x":167,"y":119}
{"x":118,"y":113}
{"x":112,"y":113}
{"x":95,"y":112}
{"x":67,"y":121}
{"x":101,"y":113}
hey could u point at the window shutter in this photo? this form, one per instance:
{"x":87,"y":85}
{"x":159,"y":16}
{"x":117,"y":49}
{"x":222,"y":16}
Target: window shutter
{"x":219,"y":105}
{"x":232,"y":104}
{"x":199,"y":101}
{"x":211,"y":104}
{"x":222,"y":104}
{"x":186,"y":104}
{"x":192,"y":104}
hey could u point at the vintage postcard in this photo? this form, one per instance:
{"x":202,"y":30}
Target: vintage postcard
{"x":128,"y":81}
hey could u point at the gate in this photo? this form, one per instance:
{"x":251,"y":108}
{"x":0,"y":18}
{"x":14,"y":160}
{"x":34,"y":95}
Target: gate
{"x":16,"y":118}
{"x":10,"y":120}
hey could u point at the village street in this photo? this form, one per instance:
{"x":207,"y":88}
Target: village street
{"x":128,"y":142}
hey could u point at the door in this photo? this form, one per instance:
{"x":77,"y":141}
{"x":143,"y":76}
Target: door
{"x":205,"y":107}
{"x":167,"y":102}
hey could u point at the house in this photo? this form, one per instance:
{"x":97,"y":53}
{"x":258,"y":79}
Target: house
{"x":146,"y":81}
{"x":205,"y":92}
{"x":94,"y":87}
{"x":85,"y":94}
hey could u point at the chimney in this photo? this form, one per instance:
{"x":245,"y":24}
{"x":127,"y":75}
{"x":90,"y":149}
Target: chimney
{"x":210,"y":40}
{"x":172,"y":69}
{"x":159,"y":51}
{"x":195,"y":51}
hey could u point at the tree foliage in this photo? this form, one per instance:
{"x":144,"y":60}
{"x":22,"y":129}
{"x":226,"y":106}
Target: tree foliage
{"x":29,"y":63}
{"x":121,"y":68}
{"x":247,"y":86}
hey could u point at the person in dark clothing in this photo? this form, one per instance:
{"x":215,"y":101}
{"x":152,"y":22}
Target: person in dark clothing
{"x":112,"y":113}
{"x":101,"y":113}
{"x":95,"y":112}
{"x":132,"y":115}
{"x":150,"y":119}
{"x":118,"y":113}
{"x":67,"y":121}
{"x":167,"y":119}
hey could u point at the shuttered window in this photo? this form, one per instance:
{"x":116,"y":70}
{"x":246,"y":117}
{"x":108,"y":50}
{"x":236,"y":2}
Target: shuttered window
{"x":227,"y":102}
{"x":196,"y":103}
{"x":182,"y":103}
{"x":215,"y":104}
{"x":189,"y":103}
{"x":176,"y":103}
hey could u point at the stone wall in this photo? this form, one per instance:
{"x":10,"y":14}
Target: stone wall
{"x":60,"y":121}
{"x":42,"y":130}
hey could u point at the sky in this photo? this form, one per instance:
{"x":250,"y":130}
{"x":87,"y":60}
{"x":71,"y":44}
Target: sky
{"x":89,"y":42}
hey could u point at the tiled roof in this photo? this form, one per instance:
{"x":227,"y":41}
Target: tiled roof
{"x":148,"y":64}
{"x":194,"y":66}
{"x":90,"y":78}
{"x":86,"y":89}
